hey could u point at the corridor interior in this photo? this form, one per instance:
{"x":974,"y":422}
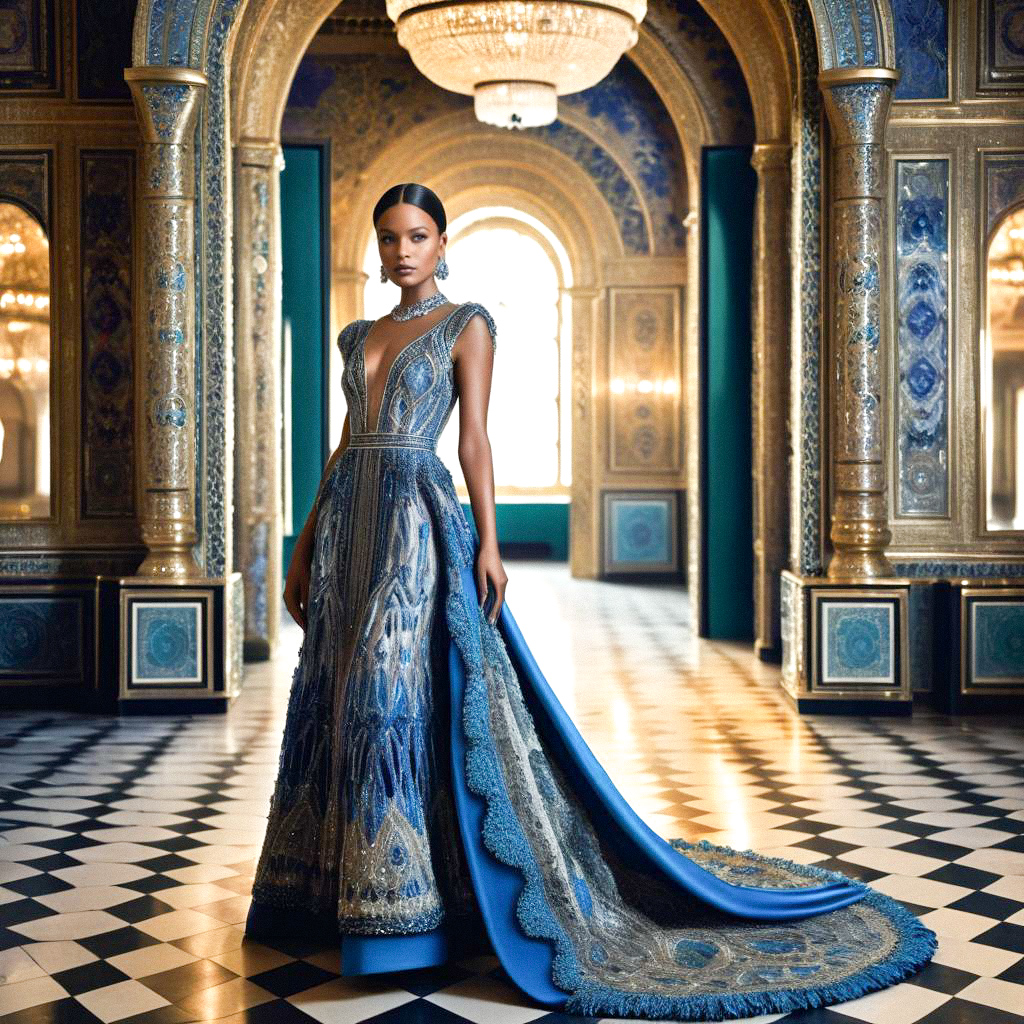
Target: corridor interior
{"x":128,"y":844}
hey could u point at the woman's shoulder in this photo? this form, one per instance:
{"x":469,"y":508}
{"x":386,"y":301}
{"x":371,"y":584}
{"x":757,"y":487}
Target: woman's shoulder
{"x":466,"y":312}
{"x":348,"y":334}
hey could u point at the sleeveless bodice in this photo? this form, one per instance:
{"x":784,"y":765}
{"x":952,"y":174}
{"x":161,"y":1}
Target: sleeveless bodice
{"x":419,"y":389}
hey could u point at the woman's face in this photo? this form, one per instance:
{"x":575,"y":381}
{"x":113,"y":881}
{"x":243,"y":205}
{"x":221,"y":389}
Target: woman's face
{"x":408,"y":237}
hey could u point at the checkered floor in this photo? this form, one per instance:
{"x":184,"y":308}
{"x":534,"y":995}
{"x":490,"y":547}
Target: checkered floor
{"x":127,"y":846}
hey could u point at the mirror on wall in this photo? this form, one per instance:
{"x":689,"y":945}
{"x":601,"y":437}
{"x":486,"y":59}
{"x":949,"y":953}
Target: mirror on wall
{"x":1002,"y":376}
{"x":24,"y":365}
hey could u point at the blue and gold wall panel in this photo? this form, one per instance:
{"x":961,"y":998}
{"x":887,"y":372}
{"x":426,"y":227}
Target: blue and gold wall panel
{"x":28,"y":55}
{"x":107,"y":396}
{"x":175,"y":651}
{"x":922,"y":338}
{"x":992,"y":641}
{"x":48,"y":643}
{"x":641,"y":531}
{"x":1001,"y":32}
{"x":845,"y":648}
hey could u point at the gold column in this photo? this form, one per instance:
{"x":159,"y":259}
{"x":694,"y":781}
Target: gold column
{"x":857,"y":101}
{"x":769,"y":388}
{"x":258,"y":513}
{"x":167,"y":103}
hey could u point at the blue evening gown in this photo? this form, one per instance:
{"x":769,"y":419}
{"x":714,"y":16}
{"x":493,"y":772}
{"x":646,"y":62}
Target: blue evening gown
{"x":434,"y":796}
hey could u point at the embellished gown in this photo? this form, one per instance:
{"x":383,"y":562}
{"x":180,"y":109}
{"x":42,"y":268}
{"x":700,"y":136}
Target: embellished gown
{"x":434,"y":796}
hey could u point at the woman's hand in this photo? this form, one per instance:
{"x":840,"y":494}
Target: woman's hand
{"x":296,"y":584}
{"x":489,"y":568}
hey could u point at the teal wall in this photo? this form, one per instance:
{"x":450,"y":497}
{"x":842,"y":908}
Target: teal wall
{"x":727,"y":207}
{"x":303,"y":303}
{"x":531,"y":523}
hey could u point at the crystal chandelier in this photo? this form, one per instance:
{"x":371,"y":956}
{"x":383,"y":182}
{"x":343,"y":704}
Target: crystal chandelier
{"x":516,"y":57}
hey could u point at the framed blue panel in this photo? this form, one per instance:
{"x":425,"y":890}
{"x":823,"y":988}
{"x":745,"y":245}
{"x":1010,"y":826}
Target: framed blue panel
{"x":922,"y":286}
{"x":169,"y":642}
{"x":42,"y":636}
{"x":859,"y":642}
{"x":995,"y":642}
{"x":921,"y":28}
{"x":641,"y":532}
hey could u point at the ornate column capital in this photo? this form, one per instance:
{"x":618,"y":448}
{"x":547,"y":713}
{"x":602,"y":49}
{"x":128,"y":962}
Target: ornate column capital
{"x":165,"y":100}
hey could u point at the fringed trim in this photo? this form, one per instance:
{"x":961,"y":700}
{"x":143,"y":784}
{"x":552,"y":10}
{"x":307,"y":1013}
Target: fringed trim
{"x":502,"y":834}
{"x":916,"y":946}
{"x":504,"y":838}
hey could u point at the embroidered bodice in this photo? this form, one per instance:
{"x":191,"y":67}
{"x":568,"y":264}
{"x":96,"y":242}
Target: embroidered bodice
{"x":419,"y":390}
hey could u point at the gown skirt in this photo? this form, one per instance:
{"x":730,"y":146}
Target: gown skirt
{"x":434,"y":799}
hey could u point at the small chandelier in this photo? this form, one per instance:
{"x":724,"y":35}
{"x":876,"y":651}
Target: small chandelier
{"x":516,"y":57}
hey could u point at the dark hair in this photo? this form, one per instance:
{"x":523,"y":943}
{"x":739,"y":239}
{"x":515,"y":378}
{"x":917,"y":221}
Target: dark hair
{"x":418,"y":195}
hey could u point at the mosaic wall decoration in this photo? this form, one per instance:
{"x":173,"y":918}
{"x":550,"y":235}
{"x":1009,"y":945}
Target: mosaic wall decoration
{"x":213,"y":298}
{"x":996,"y":642}
{"x":922,"y":289}
{"x":27,"y":45}
{"x":922,"y":44}
{"x":103,"y":33}
{"x":857,"y":643}
{"x":640,"y":531}
{"x":1003,"y":28}
{"x":108,"y":455}
{"x":690,"y":35}
{"x":806,"y":519}
{"x":41,"y":636}
{"x":168,"y":646}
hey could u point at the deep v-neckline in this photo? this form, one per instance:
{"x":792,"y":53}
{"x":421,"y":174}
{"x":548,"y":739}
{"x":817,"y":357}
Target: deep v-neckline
{"x":387,"y":379}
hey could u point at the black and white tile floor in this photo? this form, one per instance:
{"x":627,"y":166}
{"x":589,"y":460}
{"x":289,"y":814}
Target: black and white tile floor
{"x":127,"y":846}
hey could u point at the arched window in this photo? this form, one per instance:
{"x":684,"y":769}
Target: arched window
{"x":518,"y":270}
{"x":24,"y":365}
{"x":1002,"y":376}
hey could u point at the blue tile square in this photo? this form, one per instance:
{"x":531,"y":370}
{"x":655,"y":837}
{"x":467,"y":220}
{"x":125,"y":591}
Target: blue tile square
{"x":641,"y":531}
{"x":167,"y":643}
{"x":858,"y":642}
{"x":997,"y":641}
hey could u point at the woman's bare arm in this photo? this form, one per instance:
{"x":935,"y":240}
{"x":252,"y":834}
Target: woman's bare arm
{"x":474,"y":363}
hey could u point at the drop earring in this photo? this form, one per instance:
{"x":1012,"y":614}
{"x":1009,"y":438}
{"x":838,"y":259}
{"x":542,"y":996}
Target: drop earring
{"x":441,"y":270}
{"x":383,"y":275}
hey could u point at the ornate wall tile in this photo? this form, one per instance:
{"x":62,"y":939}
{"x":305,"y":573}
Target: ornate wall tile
{"x":167,"y":642}
{"x":27,"y":48}
{"x":922,"y":396}
{"x":696,"y":42}
{"x":997,"y":641}
{"x":108,"y":407}
{"x":922,"y":47}
{"x":41,"y":635}
{"x":1003,"y":30}
{"x":857,"y":643}
{"x":805,"y":392}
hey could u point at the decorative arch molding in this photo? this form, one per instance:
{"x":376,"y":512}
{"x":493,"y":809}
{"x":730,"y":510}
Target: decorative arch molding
{"x":547,"y":185}
{"x":854,"y":33}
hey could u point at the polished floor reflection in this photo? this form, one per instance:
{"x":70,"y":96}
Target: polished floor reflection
{"x":127,"y":846}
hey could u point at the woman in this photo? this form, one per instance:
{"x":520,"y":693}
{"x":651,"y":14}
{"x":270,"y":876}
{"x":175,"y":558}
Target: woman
{"x":433,"y":796}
